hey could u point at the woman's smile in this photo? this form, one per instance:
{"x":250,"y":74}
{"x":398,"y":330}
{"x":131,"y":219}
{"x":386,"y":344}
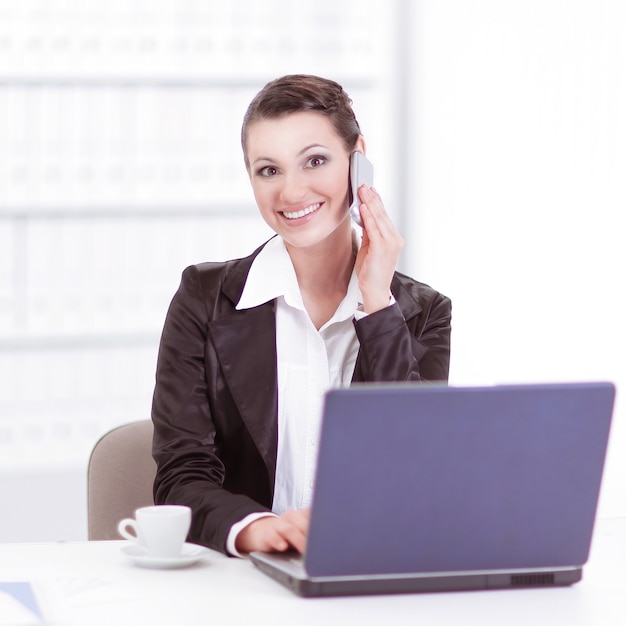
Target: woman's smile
{"x":299,"y":213}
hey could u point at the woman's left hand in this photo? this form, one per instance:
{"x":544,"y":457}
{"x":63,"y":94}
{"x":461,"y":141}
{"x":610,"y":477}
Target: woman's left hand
{"x":380,"y":250}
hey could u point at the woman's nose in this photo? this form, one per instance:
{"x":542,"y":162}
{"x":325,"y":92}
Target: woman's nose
{"x":293,"y":188}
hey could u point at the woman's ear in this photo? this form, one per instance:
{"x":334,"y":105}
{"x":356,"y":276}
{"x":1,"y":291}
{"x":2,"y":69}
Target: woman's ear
{"x":359,"y":146}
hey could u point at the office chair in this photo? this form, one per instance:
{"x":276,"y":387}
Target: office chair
{"x":120,"y":474}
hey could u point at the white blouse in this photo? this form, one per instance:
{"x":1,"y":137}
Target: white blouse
{"x":309,"y":362}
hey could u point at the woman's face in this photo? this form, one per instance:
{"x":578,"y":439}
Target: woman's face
{"x":298,"y":166}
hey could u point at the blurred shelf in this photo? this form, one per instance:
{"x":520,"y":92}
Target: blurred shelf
{"x":97,"y":341}
{"x":159,"y":82}
{"x":128,"y":211}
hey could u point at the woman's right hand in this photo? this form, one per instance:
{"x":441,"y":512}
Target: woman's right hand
{"x":379,"y":252}
{"x":275,"y":534}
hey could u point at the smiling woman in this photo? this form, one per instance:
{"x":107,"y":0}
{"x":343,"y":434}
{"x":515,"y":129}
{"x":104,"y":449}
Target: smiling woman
{"x":250,"y":346}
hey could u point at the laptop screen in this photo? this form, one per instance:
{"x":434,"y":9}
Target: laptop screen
{"x":428,"y":478}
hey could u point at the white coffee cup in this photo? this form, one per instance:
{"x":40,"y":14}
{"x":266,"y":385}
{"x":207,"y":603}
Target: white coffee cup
{"x":161,"y":530}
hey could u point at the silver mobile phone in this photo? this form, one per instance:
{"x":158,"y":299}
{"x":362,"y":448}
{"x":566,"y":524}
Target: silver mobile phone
{"x":361,"y":171}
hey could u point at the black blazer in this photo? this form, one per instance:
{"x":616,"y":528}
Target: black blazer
{"x":215,"y":400}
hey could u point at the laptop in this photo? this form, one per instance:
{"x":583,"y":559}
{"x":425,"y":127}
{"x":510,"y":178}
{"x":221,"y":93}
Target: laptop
{"x":423,"y":488}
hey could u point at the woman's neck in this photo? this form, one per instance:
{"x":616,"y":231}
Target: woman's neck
{"x":323,"y":272}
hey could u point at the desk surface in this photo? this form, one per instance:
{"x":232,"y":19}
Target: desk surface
{"x":94,"y":583}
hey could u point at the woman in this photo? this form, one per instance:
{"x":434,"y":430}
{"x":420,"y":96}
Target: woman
{"x":250,"y":345}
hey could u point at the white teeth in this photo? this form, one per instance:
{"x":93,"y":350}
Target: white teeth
{"x":303,"y":212}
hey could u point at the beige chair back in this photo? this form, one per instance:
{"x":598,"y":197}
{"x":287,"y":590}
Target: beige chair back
{"x":119,"y":478}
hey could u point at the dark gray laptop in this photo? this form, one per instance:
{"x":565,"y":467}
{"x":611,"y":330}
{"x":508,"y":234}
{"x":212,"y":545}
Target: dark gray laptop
{"x":434,"y":488}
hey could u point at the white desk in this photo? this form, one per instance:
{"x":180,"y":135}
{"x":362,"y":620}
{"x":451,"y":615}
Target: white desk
{"x":96,"y":584}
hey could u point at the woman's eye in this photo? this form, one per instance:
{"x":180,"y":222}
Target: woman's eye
{"x":267,"y":171}
{"x":316,"y":161}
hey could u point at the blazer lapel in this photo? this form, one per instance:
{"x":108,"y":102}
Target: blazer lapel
{"x":245,"y":343}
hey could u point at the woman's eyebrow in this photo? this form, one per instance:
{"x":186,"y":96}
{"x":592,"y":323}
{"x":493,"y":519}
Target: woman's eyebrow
{"x":313,"y":145}
{"x":262,"y":158}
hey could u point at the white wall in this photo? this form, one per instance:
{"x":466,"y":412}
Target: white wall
{"x":519,"y":183}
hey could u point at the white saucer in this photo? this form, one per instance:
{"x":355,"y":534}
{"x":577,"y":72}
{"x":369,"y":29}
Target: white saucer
{"x":191,"y":553}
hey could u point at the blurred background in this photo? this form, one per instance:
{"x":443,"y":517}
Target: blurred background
{"x":499,"y":140}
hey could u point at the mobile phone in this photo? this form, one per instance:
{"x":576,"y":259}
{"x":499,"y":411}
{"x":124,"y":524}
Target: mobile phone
{"x":361,"y":171}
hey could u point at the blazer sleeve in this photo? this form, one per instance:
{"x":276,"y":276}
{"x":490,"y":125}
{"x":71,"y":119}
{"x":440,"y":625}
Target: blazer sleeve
{"x":412,"y":348}
{"x":186,"y":443}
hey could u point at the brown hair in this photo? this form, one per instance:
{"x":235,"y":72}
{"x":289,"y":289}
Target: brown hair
{"x":303,"y":92}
